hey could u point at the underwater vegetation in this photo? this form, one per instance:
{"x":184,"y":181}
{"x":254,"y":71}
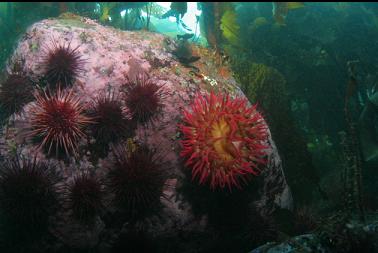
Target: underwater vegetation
{"x":57,"y":120}
{"x":229,"y":26}
{"x":268,"y":87}
{"x":177,"y":10}
{"x":280,"y":10}
{"x":223,"y":140}
{"x":62,"y":65}
{"x":133,"y":19}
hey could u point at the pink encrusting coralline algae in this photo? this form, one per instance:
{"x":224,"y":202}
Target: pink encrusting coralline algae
{"x":110,"y":59}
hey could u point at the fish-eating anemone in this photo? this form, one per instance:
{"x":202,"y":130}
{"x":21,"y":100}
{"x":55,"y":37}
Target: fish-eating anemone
{"x":61,"y":64}
{"x":223,"y":140}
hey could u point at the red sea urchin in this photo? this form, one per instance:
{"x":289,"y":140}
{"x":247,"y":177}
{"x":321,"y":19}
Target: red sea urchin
{"x":144,"y":98}
{"x":15,"y":92}
{"x":110,"y":122}
{"x":136,"y":178}
{"x":62,"y":65}
{"x":85,"y":196}
{"x":223,"y":140}
{"x":58,"y":120}
{"x":28,"y":193}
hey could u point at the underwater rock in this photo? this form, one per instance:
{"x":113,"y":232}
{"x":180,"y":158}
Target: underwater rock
{"x":355,"y":237}
{"x":78,"y":235}
{"x":267,"y":87}
{"x":110,"y":56}
{"x":301,"y":243}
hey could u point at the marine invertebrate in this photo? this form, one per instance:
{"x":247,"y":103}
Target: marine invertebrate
{"x":62,"y":64}
{"x":144,"y":98}
{"x":110,"y":121}
{"x":57,"y":121}
{"x":136,"y":178}
{"x":28,"y":193}
{"x":223,"y":140}
{"x":84,"y":197}
{"x":15,"y":92}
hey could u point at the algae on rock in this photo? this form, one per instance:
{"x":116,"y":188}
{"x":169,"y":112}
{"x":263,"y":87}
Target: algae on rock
{"x":267,"y":87}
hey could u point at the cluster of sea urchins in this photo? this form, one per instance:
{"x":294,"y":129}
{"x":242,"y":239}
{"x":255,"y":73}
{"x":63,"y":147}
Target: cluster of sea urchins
{"x":224,"y":140}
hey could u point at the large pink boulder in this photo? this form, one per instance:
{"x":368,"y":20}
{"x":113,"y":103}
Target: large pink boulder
{"x":112,"y":55}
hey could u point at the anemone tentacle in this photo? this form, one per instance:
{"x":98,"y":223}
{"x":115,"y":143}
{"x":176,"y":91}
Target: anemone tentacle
{"x":224,"y":140}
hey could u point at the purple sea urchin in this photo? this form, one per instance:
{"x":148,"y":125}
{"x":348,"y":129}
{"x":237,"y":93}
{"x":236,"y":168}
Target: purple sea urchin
{"x":28,"y":192}
{"x":58,"y":120}
{"x":15,"y":92}
{"x":136,"y":178}
{"x":84,"y":197}
{"x":62,"y":65}
{"x":144,"y":98}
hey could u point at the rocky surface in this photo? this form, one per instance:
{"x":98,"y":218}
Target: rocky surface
{"x":111,"y":55}
{"x":356,"y":237}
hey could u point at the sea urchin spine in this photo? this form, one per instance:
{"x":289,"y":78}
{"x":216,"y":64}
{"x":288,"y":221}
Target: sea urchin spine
{"x":110,"y":121}
{"x":84,"y":197}
{"x":15,"y":92}
{"x":223,"y":140}
{"x":62,"y":65}
{"x":58,"y":120}
{"x":136,"y":178}
{"x":28,"y":192}
{"x":144,"y":98}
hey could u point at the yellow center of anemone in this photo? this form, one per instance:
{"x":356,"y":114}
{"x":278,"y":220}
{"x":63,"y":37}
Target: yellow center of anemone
{"x":222,"y":145}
